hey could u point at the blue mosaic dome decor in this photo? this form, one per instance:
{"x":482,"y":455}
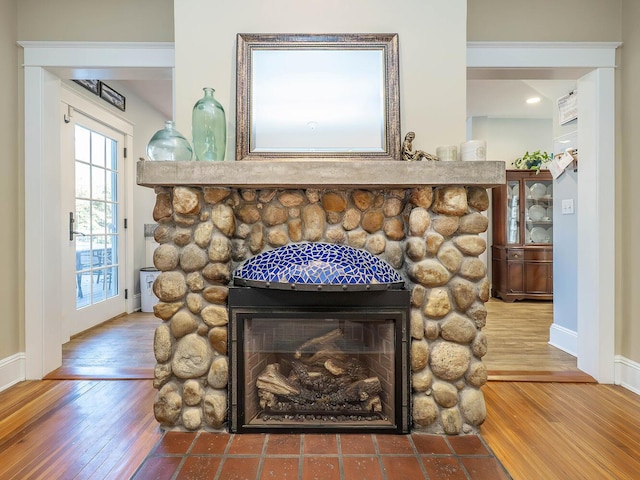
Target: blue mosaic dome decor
{"x":317,"y":266}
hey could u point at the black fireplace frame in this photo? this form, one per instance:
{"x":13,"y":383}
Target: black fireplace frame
{"x":245,"y":302}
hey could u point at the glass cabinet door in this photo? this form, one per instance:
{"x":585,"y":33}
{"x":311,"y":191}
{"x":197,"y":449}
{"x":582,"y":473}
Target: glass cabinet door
{"x":538,"y":211}
{"x":513,"y":211}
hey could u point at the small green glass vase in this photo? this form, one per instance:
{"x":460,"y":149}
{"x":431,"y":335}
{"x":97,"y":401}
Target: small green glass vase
{"x":209,"y":128}
{"x":169,"y":144}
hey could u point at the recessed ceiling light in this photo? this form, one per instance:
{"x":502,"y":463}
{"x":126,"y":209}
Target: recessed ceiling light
{"x":533,"y":100}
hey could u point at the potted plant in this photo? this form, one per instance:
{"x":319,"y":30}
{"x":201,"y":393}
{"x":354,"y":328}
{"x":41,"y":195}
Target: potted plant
{"x":532,"y":161}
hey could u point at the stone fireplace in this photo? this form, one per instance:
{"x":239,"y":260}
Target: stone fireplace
{"x":424,"y":219}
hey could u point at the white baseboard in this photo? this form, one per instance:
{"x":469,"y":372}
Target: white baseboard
{"x":137,"y":302}
{"x":627,"y":373}
{"x":564,"y":339}
{"x":12,"y":370}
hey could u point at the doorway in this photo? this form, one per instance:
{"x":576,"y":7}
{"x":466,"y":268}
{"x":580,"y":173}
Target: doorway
{"x":592,"y":67}
{"x":526,"y":233}
{"x":45,"y":64}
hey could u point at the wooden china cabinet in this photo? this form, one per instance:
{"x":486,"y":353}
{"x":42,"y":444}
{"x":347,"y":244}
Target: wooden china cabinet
{"x":522,"y":251}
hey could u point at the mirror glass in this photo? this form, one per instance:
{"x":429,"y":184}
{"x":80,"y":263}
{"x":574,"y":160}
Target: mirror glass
{"x":317,"y":96}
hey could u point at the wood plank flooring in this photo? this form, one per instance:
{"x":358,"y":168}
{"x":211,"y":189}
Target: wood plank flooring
{"x":54,"y":429}
{"x":563,"y":431}
{"x":121,"y":348}
{"x":518,"y":344}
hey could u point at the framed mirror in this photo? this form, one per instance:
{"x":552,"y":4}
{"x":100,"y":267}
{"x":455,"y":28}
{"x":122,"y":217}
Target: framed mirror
{"x":312,"y":97}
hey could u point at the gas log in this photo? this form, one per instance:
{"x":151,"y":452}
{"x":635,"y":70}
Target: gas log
{"x":320,"y":377}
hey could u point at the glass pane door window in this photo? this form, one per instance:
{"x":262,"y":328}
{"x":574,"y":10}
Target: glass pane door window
{"x":96,"y":217}
{"x":539,"y":211}
{"x":512,"y":211}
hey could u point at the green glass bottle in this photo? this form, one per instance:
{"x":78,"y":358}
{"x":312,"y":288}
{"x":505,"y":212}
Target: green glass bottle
{"x":169,"y":144}
{"x":209,"y":128}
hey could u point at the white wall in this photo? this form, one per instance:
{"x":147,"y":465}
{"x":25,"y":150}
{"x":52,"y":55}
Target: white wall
{"x":564,"y":330}
{"x":509,"y":138}
{"x":432,"y":43}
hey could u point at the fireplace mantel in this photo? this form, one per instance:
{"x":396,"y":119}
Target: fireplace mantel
{"x":321,"y":174}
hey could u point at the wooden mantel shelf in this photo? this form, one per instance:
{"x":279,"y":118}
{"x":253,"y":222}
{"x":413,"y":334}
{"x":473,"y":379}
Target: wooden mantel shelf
{"x":321,"y":174}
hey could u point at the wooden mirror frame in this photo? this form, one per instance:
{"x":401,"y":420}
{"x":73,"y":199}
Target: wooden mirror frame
{"x":247,"y":44}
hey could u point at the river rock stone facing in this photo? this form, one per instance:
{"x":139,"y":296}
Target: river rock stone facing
{"x":430,"y":235}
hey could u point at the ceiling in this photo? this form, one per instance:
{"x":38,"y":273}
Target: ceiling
{"x":157,"y":93}
{"x":507,"y":98}
{"x":154,"y":85}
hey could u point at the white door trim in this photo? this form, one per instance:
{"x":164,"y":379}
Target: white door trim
{"x":42,"y":92}
{"x":541,"y":54}
{"x":596,"y":225}
{"x":596,"y":180}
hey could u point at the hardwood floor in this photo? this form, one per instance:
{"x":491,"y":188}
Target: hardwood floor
{"x":518,"y":344}
{"x":563,"y":431}
{"x":63,"y":429}
{"x":121,"y":348}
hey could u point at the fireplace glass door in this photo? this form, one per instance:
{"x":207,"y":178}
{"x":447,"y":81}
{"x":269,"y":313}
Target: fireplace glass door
{"x":319,"y":368}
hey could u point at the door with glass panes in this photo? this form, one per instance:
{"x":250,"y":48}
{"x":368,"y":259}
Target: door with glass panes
{"x":93,"y":250}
